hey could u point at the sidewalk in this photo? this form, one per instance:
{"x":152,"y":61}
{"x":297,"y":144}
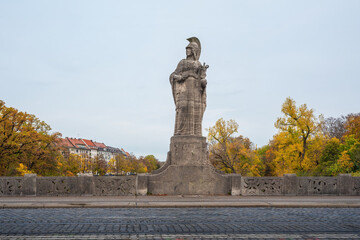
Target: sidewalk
{"x":180,"y":201}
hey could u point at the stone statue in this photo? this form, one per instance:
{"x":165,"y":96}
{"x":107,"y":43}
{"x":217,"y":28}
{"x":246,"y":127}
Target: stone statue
{"x":189,"y":91}
{"x":187,"y":169}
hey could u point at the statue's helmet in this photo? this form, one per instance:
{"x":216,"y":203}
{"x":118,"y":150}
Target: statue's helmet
{"x":194,"y":44}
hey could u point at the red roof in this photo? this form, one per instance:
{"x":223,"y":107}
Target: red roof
{"x":85,"y":144}
{"x":77,"y":142}
{"x":89,"y":143}
{"x":127,"y":154}
{"x":64,"y":142}
{"x":100,"y":145}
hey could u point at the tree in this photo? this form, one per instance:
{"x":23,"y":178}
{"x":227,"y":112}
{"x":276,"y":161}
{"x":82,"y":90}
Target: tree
{"x":70,"y":165}
{"x":329,"y":157}
{"x":299,"y":128}
{"x":151,"y":162}
{"x":232,"y":154}
{"x":352,"y":125}
{"x":284,"y":149}
{"x":349,"y":161}
{"x":334,"y":127}
{"x":24,"y":139}
{"x":119,"y":164}
{"x":100,"y":165}
{"x":266,"y":155}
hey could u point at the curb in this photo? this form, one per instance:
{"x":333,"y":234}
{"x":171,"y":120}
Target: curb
{"x":178,"y":205}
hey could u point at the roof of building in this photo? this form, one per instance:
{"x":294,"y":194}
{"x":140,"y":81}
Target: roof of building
{"x":78,"y":143}
{"x":89,"y":143}
{"x":100,"y":145}
{"x":64,"y":142}
{"x":81,"y":143}
{"x":126,"y":153}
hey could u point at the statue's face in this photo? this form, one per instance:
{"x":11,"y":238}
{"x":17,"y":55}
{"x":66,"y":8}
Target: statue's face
{"x":188,"y":52}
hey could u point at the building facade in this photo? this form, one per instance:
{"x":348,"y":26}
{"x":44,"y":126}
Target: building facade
{"x":89,"y":148}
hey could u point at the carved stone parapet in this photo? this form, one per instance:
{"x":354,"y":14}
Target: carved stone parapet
{"x":356,"y":187}
{"x":261,"y":185}
{"x":318,"y":185}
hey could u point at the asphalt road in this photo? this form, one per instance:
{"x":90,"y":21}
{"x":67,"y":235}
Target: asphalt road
{"x":180,"y":223}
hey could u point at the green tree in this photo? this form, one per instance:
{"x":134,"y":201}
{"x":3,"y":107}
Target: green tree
{"x":329,"y":158}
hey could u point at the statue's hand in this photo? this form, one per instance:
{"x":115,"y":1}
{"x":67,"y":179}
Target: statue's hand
{"x":205,"y":66}
{"x":203,"y":82}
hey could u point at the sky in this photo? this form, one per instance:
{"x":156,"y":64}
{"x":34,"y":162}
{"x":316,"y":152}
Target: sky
{"x":100,"y":69}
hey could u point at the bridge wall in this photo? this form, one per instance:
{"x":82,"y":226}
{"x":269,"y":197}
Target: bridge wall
{"x":289,"y":185}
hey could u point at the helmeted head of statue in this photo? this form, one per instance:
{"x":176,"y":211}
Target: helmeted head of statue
{"x":195,"y":46}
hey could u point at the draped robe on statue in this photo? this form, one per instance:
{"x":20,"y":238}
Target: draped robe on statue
{"x":189,"y":96}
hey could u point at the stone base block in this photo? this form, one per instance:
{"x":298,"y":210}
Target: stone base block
{"x":188,"y":150}
{"x":189,"y":180}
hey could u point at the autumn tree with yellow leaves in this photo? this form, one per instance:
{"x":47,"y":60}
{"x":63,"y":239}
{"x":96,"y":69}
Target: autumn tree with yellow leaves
{"x":297,"y":146}
{"x":26,"y":144}
{"x":232,"y":154}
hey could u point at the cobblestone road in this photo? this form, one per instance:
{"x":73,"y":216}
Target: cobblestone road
{"x":180,"y":223}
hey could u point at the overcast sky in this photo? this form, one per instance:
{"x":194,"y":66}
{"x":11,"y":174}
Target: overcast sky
{"x":100,"y":69}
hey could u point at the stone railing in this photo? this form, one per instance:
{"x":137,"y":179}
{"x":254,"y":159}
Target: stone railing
{"x":289,"y":184}
{"x":31,"y":185}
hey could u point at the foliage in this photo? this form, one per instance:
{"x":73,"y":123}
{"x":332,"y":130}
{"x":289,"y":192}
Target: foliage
{"x":151,"y":163}
{"x":352,"y":125}
{"x":122,"y":165}
{"x":299,"y":134}
{"x":26,"y":140}
{"x":266,"y":155}
{"x":70,"y":166}
{"x":22,"y":170}
{"x":100,"y":166}
{"x":305,"y":145}
{"x":117,"y":165}
{"x":232,"y":154}
{"x":334,"y":127}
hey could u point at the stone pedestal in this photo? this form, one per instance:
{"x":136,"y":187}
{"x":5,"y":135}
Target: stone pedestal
{"x":188,"y":171}
{"x":188,"y":151}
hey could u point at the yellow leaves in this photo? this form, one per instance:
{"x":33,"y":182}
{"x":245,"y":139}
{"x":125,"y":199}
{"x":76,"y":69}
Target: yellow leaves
{"x":22,"y":169}
{"x":344,"y":162}
{"x":25,"y":139}
{"x":222,"y":130}
{"x":69,"y":174}
{"x":299,"y":121}
{"x":299,"y":133}
{"x":352,"y":125}
{"x":232,"y":154}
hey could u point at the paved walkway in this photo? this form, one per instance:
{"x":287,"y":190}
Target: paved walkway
{"x":180,"y":223}
{"x":180,"y":201}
